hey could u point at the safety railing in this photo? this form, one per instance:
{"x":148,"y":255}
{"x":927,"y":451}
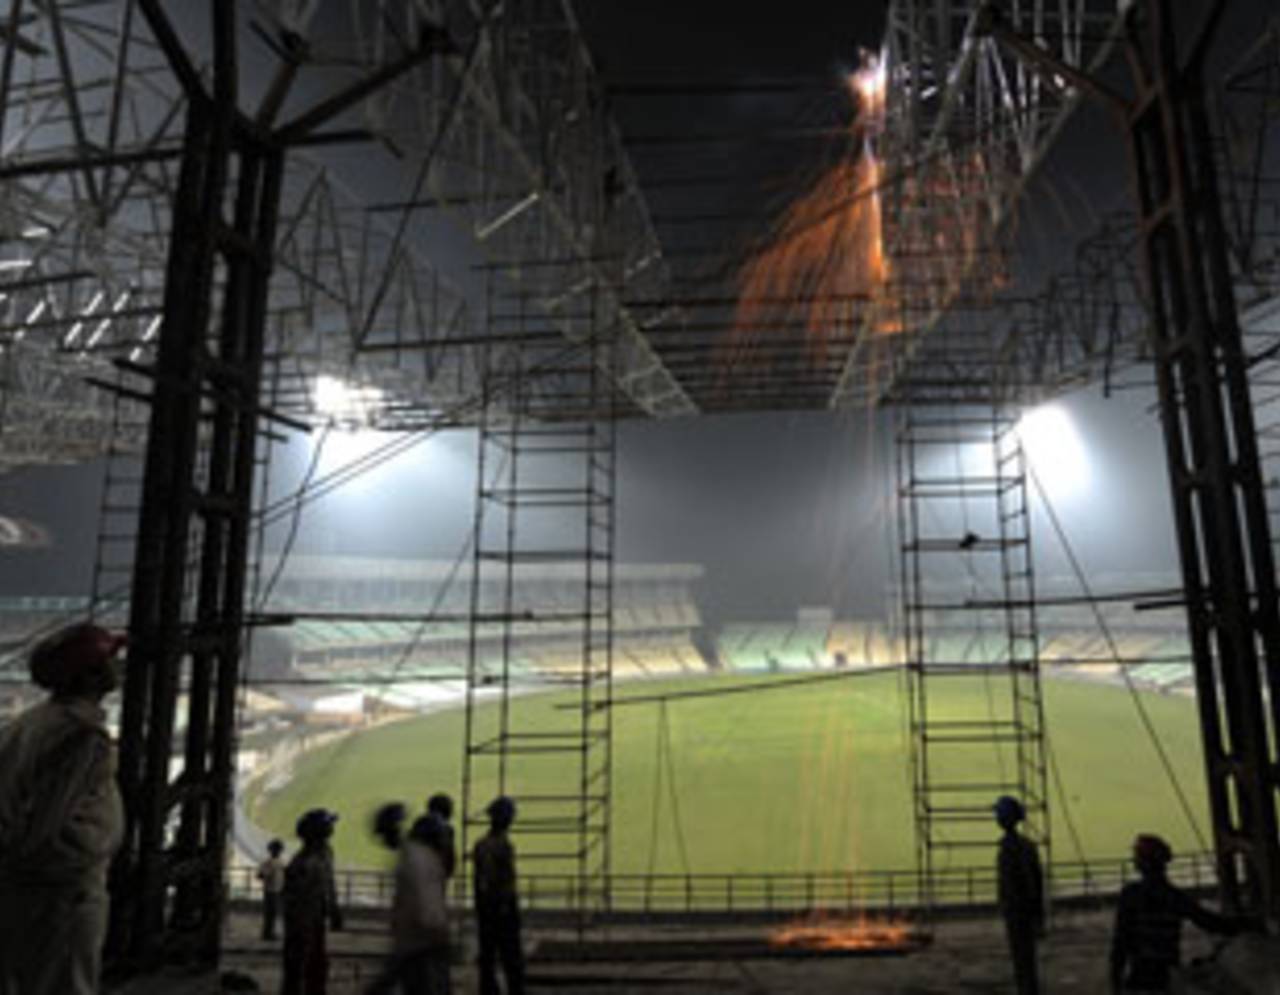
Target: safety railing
{"x":835,"y":892}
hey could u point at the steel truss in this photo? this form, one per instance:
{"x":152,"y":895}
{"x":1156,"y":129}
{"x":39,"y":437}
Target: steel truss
{"x":966,"y":126}
{"x":193,"y":524}
{"x":1212,"y":448}
{"x":1202,"y":373}
{"x":968,"y":605}
{"x":509,"y":134}
{"x":545,"y":507}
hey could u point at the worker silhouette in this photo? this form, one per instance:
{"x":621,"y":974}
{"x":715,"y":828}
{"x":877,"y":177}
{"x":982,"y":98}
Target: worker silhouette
{"x":61,"y":819}
{"x":440,"y":805}
{"x":497,"y":902}
{"x":420,"y":940}
{"x":271,"y":874}
{"x":1020,"y":884}
{"x":1146,"y":943}
{"x":310,"y":904}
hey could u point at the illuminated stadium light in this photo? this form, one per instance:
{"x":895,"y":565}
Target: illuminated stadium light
{"x":343,"y":405}
{"x":1055,"y":450}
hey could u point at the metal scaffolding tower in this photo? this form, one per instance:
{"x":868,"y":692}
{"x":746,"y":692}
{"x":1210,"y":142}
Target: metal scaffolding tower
{"x":968,"y":604}
{"x":547,"y":455}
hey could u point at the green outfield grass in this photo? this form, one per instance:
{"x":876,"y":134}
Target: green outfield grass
{"x":804,"y":778}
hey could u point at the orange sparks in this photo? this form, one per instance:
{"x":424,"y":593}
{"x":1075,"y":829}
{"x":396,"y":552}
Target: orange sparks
{"x":826,"y":259}
{"x":827,"y":268}
{"x":844,"y":934}
{"x":870,"y":84}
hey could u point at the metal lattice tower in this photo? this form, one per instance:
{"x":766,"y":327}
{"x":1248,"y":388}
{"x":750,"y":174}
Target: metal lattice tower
{"x":968,"y":604}
{"x":1211,"y":441}
{"x":1228,"y":564}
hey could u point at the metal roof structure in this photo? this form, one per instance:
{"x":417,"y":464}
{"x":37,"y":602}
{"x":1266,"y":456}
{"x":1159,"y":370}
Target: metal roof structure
{"x":504,"y":130}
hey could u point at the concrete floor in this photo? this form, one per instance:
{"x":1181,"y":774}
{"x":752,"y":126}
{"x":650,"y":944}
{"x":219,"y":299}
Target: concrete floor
{"x":964,"y":957}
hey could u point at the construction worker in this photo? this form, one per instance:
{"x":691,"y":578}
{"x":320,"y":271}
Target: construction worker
{"x":440,"y":805}
{"x":1146,"y":943}
{"x":61,"y":819}
{"x":420,"y":951}
{"x":310,"y":903}
{"x":1020,"y":891}
{"x":497,"y":903}
{"x":271,"y":874}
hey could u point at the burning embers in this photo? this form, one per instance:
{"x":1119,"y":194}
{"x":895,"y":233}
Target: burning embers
{"x":821,"y":934}
{"x":826,"y":257}
{"x":872,"y":249}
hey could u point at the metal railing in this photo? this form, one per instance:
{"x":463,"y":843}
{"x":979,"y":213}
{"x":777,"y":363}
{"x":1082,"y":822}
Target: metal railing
{"x":836,"y":892}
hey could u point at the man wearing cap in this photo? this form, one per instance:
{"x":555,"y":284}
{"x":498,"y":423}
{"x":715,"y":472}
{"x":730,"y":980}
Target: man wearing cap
{"x":441,"y":806}
{"x":497,"y":903}
{"x":310,"y":901}
{"x":1146,"y":943}
{"x":1020,"y":891}
{"x":61,"y":819}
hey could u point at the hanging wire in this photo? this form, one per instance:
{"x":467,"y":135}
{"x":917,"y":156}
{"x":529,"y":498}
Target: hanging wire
{"x":1064,"y":803}
{"x":1114,"y":649}
{"x":672,"y":792}
{"x":295,"y":520}
{"x":655,"y":804}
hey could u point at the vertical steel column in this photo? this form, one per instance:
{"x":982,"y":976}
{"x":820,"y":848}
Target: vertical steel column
{"x":1211,"y":447}
{"x":187,"y":591}
{"x":1211,"y":442}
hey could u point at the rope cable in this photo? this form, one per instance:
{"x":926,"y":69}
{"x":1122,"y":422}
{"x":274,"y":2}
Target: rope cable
{"x":676,"y":820}
{"x":1144,"y":716}
{"x":295,"y":519}
{"x":656,"y":804}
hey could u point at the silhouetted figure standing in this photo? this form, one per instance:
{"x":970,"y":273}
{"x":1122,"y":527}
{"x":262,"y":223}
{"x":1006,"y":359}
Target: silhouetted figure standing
{"x":61,"y":819}
{"x":497,"y":902}
{"x":271,"y":874}
{"x":441,"y":806}
{"x":1146,"y":943}
{"x":1020,"y":886}
{"x":420,"y":951}
{"x":310,"y":904}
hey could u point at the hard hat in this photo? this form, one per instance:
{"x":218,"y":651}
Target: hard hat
{"x":502,"y":810}
{"x":1008,"y":809}
{"x":388,"y":819}
{"x":316,"y":824}
{"x":429,"y":829}
{"x":61,"y":661}
{"x":1150,"y":851}
{"x":441,"y":804}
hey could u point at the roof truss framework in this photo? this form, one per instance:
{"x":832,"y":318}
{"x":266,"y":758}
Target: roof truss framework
{"x":966,"y":127}
{"x":507,"y":134}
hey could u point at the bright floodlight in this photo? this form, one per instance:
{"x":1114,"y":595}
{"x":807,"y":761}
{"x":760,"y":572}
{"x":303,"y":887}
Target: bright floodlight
{"x":1055,"y":450}
{"x":345,"y":405}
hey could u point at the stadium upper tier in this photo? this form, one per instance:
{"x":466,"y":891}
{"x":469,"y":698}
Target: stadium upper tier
{"x":414,"y":644}
{"x":365,"y":584}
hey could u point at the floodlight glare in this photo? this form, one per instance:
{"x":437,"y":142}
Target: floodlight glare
{"x":1054,"y":450}
{"x":345,"y":406}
